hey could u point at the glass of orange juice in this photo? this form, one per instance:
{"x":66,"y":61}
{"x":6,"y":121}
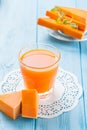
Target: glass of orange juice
{"x":39,"y":66}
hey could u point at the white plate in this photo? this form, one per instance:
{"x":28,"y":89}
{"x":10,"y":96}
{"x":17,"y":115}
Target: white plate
{"x":63,"y":37}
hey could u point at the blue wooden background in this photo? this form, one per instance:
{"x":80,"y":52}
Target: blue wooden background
{"x":18,"y":27}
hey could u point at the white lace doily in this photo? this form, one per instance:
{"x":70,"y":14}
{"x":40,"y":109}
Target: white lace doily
{"x":64,"y":97}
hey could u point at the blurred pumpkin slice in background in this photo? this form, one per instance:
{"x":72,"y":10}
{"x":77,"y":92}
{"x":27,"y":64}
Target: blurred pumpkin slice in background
{"x":70,"y":21}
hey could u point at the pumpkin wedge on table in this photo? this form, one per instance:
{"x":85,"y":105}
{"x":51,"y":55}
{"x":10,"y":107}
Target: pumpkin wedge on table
{"x":10,"y":104}
{"x":52,"y":24}
{"x":29,"y":103}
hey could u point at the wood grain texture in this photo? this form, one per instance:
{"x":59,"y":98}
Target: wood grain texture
{"x":83,"y":47}
{"x":18,"y":28}
{"x":83,"y":59}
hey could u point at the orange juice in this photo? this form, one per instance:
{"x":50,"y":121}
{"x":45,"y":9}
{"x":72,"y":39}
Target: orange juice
{"x":39,"y":68}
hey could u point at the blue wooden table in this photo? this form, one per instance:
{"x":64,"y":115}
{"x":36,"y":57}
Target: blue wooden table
{"x":18,"y":27}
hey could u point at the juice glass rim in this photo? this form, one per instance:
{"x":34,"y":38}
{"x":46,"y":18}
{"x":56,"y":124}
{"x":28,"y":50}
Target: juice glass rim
{"x":58,"y":56}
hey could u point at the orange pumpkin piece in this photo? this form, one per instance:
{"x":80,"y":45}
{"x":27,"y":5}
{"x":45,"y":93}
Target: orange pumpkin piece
{"x":29,"y":103}
{"x":54,"y":15}
{"x":10,"y":104}
{"x":75,"y":13}
{"x":52,"y":24}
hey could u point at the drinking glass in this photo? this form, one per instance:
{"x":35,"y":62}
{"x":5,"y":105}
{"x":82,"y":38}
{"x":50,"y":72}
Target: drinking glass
{"x":39,"y":66}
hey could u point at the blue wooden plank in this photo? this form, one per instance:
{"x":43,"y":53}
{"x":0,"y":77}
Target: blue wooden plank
{"x":83,"y":46}
{"x":83,"y":56}
{"x":81,"y":4}
{"x":19,"y":124}
{"x":70,"y":61}
{"x":17,"y":28}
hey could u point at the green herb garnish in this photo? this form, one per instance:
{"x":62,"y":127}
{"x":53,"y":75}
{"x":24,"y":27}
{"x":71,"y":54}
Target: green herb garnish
{"x":65,"y":21}
{"x":58,"y":19}
{"x":54,"y":9}
{"x":58,"y":8}
{"x":74,"y":25}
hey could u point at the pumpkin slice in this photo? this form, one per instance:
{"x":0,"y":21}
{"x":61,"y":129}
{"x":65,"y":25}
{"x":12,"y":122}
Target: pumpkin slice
{"x":54,"y":15}
{"x":67,"y":29}
{"x":10,"y":104}
{"x":77,"y":14}
{"x":29,"y":103}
